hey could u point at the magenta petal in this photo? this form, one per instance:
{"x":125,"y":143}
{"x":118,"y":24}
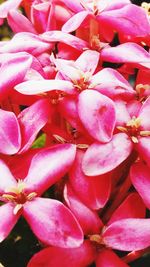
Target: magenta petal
{"x":8,"y":220}
{"x":40,"y":13}
{"x":26,"y":41}
{"x":83,"y":62}
{"x":71,"y":40}
{"x":75,"y":6}
{"x":102,"y":158}
{"x":28,"y":118}
{"x":107,"y":258}
{"x":125,"y":20}
{"x":7,"y":6}
{"x":94,"y":111}
{"x":112,"y":84}
{"x":19,"y":23}
{"x":131,"y":207}
{"x":128,"y":234}
{"x":64,"y":257}
{"x":7,"y":180}
{"x":144,"y":115}
{"x":48,"y":166}
{"x":136,"y":54}
{"x":93,"y":191}
{"x":13,"y":72}
{"x":143,"y":148}
{"x":140,"y":176}
{"x":53,"y":223}
{"x":68,"y":109}
{"x":88,"y":219}
{"x":41,"y":86}
{"x":67,"y":69}
{"x":75,"y":21}
{"x":122,"y":113}
{"x":10,"y":139}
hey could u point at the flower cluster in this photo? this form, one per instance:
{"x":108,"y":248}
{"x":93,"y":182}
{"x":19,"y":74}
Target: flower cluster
{"x":76,"y":75}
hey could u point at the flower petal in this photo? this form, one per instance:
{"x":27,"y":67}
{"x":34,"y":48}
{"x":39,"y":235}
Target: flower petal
{"x":125,"y":20}
{"x":93,"y":191}
{"x":128,"y":234}
{"x":10,"y":139}
{"x":131,"y":207}
{"x":53,"y":223}
{"x":8,"y":220}
{"x":107,"y":258}
{"x":7,"y":6}
{"x":13,"y":72}
{"x":75,"y":21}
{"x":26,"y":41}
{"x":71,"y":40}
{"x":41,"y":86}
{"x":144,"y":115}
{"x":94,"y":111}
{"x":112,"y":84}
{"x":136,"y":54}
{"x":140,"y":176}
{"x":87,"y":218}
{"x":75,"y":257}
{"x":48,"y":166}
{"x":102,"y":158}
{"x":19,"y":23}
{"x":6,"y":179}
{"x":28,"y":118}
{"x":143,"y":148}
{"x":83,"y":62}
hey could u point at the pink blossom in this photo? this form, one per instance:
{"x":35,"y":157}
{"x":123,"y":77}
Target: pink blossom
{"x":90,"y":251}
{"x":49,"y":219}
{"x":107,"y":16}
{"x":101,"y":158}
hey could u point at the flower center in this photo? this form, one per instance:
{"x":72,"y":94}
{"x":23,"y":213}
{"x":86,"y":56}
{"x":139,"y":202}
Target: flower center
{"x":146,"y":6}
{"x":143,"y":91}
{"x":82,"y":83}
{"x":90,"y":5}
{"x":97,"y":241}
{"x":132,"y":129}
{"x":18,"y":196}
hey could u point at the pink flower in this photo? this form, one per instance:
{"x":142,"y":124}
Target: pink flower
{"x":102,"y":158}
{"x":49,"y":219}
{"x":107,"y":16}
{"x":94,"y":249}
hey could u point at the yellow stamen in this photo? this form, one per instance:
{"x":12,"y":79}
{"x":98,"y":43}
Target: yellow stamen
{"x":122,"y":129}
{"x":134,"y":122}
{"x":146,"y":6}
{"x":96,"y":238}
{"x":145,"y":133}
{"x":31,"y":196}
{"x":134,"y":139}
{"x":82,"y":146}
{"x":17,"y":208}
{"x":59,"y":138}
{"x":18,"y":189}
{"x":140,"y":88}
{"x":8,"y":197}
